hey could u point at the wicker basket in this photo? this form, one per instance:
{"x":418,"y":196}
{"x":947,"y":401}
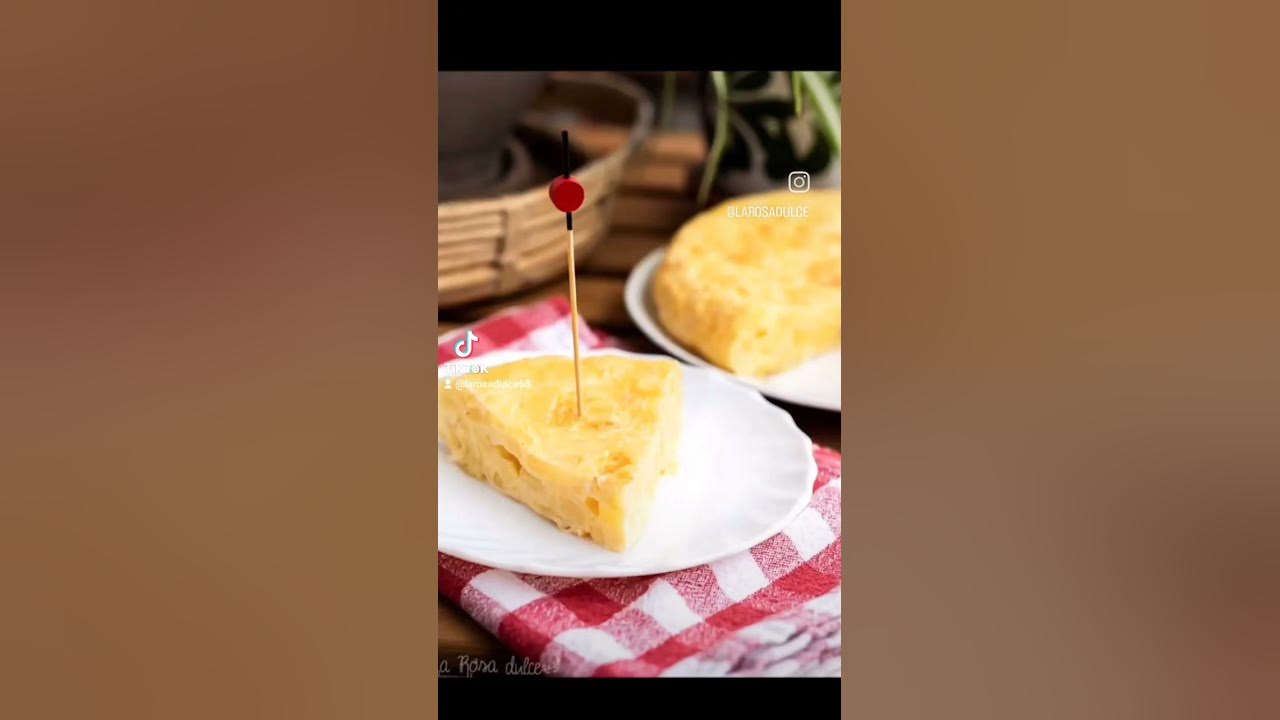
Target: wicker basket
{"x":493,"y":247}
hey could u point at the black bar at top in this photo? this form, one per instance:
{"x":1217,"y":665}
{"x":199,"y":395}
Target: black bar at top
{"x":707,"y":35}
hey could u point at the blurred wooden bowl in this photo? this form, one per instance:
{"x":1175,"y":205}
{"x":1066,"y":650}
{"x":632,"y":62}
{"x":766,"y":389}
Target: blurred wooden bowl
{"x":495,"y":246}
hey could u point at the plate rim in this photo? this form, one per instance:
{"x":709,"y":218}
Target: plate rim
{"x":640,"y":283}
{"x":789,"y":426}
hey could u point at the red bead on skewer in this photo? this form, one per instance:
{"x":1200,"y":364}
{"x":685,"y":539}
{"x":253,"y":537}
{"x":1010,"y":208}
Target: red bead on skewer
{"x":567,"y":194}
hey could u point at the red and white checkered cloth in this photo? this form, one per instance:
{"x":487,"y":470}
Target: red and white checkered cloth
{"x":772,"y":610}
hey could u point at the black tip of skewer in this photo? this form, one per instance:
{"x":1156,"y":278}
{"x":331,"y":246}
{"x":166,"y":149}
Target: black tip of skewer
{"x":568,"y":220}
{"x":564,"y":140}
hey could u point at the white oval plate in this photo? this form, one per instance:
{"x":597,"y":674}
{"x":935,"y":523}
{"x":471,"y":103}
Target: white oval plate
{"x":815,"y":383}
{"x":745,"y":472}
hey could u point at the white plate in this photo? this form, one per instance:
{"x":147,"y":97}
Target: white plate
{"x":815,"y":383}
{"x":745,"y":472}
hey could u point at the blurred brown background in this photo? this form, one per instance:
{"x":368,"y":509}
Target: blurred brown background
{"x":1062,"y":398}
{"x":215,"y":306}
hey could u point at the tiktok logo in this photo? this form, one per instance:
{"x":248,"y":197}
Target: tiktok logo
{"x":458,"y":349}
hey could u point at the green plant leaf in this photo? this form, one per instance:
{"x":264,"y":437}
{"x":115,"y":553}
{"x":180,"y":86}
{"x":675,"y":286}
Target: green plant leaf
{"x":668,"y":98}
{"x":797,"y":93}
{"x":826,"y":106}
{"x":719,"y":138}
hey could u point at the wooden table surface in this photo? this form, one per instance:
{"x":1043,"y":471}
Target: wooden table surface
{"x":657,"y":196}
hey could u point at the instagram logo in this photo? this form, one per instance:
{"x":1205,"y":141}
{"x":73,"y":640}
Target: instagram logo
{"x":798,"y":182}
